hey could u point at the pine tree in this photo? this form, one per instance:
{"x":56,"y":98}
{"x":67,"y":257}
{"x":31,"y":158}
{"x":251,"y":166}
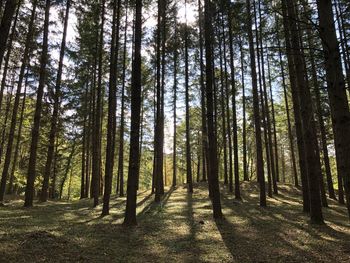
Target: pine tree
{"x":97,"y":136}
{"x":25,"y":60}
{"x":306,"y":112}
{"x":134,"y":164}
{"x":29,"y":193}
{"x":10,"y":9}
{"x":257,"y":120}
{"x":112,"y":104}
{"x":55,"y":114}
{"x":336,"y":92}
{"x":187,"y":102}
{"x":214,"y":189}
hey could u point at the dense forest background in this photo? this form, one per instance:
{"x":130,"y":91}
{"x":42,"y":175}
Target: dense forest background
{"x":111,"y":97}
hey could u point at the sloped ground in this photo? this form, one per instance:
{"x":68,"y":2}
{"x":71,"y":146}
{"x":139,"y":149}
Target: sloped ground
{"x":180,"y":229}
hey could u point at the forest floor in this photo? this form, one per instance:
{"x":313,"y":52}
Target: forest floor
{"x":180,"y":229}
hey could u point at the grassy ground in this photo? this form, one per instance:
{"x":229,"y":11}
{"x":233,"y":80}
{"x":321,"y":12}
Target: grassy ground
{"x":180,"y":229}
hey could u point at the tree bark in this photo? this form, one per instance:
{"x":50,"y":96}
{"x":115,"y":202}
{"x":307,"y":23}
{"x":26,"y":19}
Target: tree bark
{"x":266,"y":108}
{"x":320,"y":118}
{"x":257,"y":120}
{"x":227,"y":106}
{"x":8,"y":55}
{"x":134,"y":164}
{"x":84,"y":142}
{"x":19,"y":134}
{"x":175,"y":58}
{"x":6,"y":20}
{"x":337,"y":94}
{"x":68,"y":167}
{"x":274,"y":131}
{"x":96,"y":138}
{"x":25,"y":59}
{"x":244,"y":132}
{"x":187,"y":102}
{"x":307,"y":119}
{"x":343,"y":40}
{"x":285,"y":93}
{"x":234,"y":112}
{"x":203,"y":101}
{"x":296,"y":107}
{"x":112,"y":105}
{"x":6,"y":114}
{"x":120,"y":177}
{"x":159,"y":131}
{"x":29,"y":192}
{"x":55,"y":114}
{"x":223,"y":110}
{"x":212,"y":143}
{"x":261,"y":75}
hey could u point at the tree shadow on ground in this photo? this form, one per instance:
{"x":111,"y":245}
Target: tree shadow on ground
{"x":281,"y":231}
{"x":178,"y":229}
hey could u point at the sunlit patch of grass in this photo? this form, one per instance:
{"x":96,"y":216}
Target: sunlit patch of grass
{"x":179,"y":229}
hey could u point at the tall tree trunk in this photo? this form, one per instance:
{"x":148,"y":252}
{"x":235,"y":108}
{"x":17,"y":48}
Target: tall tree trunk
{"x":283,"y":165}
{"x":84,"y":150}
{"x":175,"y":58}
{"x":266,"y":108}
{"x":159,"y":132}
{"x":198,"y":161}
{"x":6,"y":114}
{"x":112,"y":105}
{"x":320,"y":118}
{"x":55,"y":114}
{"x":337,"y":94}
{"x":257,"y":120}
{"x":285,"y":93}
{"x":307,"y":119}
{"x":162,"y":94}
{"x":19,"y":134}
{"x":227,"y":108}
{"x":68,"y":168}
{"x":223,"y":109}
{"x":312,"y":123}
{"x":215,"y":85}
{"x":203,"y":102}
{"x":134,"y":164}
{"x":297,"y":112}
{"x":88,"y":142}
{"x":25,"y":59}
{"x":29,"y":192}
{"x":96,"y":144}
{"x":214,"y":189}
{"x":227,"y":104}
{"x":346,"y":56}
{"x":158,"y":151}
{"x":187,"y":102}
{"x":274,"y":131}
{"x":244,"y":132}
{"x":52,"y":190}
{"x":343,"y":40}
{"x":6,"y":20}
{"x":234,"y":113}
{"x":120,"y":177}
{"x":70,"y":184}
{"x":8,"y":55}
{"x":262,"y":102}
{"x":154,"y":138}
{"x":141,"y":135}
